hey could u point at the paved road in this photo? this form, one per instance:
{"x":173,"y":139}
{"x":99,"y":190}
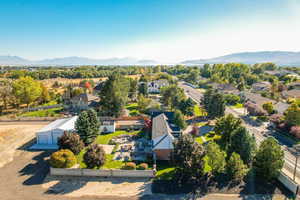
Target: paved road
{"x":260,"y":133}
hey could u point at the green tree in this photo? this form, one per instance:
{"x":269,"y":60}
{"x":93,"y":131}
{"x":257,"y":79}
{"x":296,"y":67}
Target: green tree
{"x":214,"y":104}
{"x":143,"y":103}
{"x":132,"y":89}
{"x":244,"y":144}
{"x":225,"y":127}
{"x":188,"y":159}
{"x":179,"y":119}
{"x":5,"y":93}
{"x":216,"y":158}
{"x":26,"y":90}
{"x":172,"y":95}
{"x":269,"y":159}
{"x":143,"y":88}
{"x":187,"y":107}
{"x":293,"y":115}
{"x":87,"y":126}
{"x":236,"y":169}
{"x":268,"y":107}
{"x":45,"y":96}
{"x":114,"y":95}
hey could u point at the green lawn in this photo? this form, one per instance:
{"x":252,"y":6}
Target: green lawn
{"x":207,"y":137}
{"x":238,"y":105}
{"x":198,"y":111}
{"x":199,"y":140}
{"x":110,"y":163}
{"x":133,"y":111}
{"x":105,"y":138}
{"x":165,"y":171}
{"x":52,"y":112}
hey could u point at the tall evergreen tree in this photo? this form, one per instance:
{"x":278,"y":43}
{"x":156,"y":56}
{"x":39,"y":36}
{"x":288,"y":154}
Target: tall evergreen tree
{"x":87,"y":126}
{"x":244,"y":144}
{"x":225,"y":127}
{"x":214,"y":103}
{"x":114,"y":95}
{"x":269,"y":159}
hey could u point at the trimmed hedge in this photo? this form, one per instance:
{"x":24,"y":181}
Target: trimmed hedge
{"x":129,"y":166}
{"x":142,"y":166}
{"x":63,"y":158}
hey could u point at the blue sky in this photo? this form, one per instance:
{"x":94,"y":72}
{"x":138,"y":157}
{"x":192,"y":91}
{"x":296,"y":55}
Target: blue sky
{"x":165,"y":30}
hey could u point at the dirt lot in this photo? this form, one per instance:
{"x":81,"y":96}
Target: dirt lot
{"x":15,"y":134}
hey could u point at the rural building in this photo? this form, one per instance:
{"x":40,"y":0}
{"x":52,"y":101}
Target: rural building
{"x":84,"y":101}
{"x":294,"y":93}
{"x":261,"y":86}
{"x":154,"y":86}
{"x":108,"y":125}
{"x":163,"y":135}
{"x":46,"y":138}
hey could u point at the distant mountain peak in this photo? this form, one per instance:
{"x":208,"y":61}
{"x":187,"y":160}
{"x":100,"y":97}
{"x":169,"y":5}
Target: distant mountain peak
{"x":278,"y":57}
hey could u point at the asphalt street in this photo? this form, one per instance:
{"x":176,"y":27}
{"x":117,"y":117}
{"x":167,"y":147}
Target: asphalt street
{"x":259,"y":132}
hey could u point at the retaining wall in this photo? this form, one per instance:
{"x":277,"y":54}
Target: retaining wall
{"x":288,"y":182}
{"x":102,"y":173}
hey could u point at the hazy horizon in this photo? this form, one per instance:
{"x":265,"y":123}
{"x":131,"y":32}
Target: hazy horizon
{"x":165,"y":31}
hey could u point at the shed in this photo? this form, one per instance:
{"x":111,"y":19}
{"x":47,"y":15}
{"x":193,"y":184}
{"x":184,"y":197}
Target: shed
{"x":46,"y":138}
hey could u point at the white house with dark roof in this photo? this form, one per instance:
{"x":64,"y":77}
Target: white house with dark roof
{"x":156,"y":85}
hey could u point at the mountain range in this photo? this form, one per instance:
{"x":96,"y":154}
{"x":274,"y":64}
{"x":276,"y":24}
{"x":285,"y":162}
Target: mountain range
{"x":15,"y":60}
{"x":278,"y":57}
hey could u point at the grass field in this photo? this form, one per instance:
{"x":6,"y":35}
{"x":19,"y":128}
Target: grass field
{"x":52,"y":112}
{"x":198,"y":111}
{"x":133,"y":111}
{"x":238,"y":105}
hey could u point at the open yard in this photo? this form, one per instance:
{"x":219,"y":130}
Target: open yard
{"x":52,"y":112}
{"x":104,"y":140}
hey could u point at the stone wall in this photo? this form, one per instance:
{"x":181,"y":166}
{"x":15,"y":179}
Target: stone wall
{"x":101,"y":173}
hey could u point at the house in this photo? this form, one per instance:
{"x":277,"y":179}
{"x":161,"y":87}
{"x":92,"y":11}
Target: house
{"x":294,"y":85}
{"x":294,"y":93}
{"x":107,"y":125}
{"x":256,"y":98}
{"x":154,"y":86}
{"x":84,"y":101}
{"x":281,"y":107}
{"x":261,"y":86}
{"x":225,"y":88}
{"x":164,"y":133}
{"x":46,"y":138}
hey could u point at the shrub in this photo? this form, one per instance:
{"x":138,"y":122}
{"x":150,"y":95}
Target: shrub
{"x":129,"y":166}
{"x":232,"y":99}
{"x":94,"y":156}
{"x":262,"y":118}
{"x":142,"y":166}
{"x":71,"y":141}
{"x":295,"y":131}
{"x":63,"y":158}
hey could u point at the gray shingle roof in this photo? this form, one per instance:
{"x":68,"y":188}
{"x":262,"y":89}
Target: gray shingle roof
{"x":160,"y":126}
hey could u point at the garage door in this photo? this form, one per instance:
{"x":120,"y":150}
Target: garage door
{"x":55,"y":136}
{"x":43,"y":139}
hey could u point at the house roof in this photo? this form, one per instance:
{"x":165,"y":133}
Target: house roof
{"x":292,"y":93}
{"x":66,"y":124}
{"x":257,"y":98}
{"x":262,"y":84}
{"x":163,"y":142}
{"x":160,"y":126}
{"x":281,"y":107}
{"x":85,"y":97}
